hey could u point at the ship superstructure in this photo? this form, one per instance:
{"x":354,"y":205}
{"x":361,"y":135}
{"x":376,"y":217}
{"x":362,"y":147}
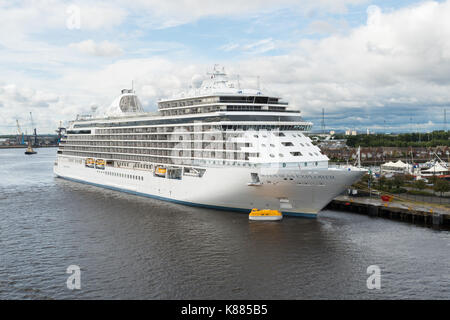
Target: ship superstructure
{"x":217,"y":146}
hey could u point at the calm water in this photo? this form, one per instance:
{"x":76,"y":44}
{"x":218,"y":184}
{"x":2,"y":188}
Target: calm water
{"x":137,"y":248}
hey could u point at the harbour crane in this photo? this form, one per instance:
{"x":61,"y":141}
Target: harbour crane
{"x":33,"y":129}
{"x":20,"y":137}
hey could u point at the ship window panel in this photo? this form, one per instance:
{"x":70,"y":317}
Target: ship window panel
{"x":296,"y":154}
{"x":287,"y":144}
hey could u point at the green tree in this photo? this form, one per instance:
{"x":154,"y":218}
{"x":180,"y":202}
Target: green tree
{"x":399,"y":181}
{"x":441,"y":186}
{"x":389,"y":184}
{"x":382,"y":182}
{"x":419,"y":184}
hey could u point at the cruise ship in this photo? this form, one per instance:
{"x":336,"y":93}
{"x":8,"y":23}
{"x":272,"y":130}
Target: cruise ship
{"x":217,"y":146}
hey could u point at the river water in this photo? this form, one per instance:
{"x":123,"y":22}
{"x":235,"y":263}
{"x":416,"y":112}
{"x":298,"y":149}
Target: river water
{"x":130,"y":247}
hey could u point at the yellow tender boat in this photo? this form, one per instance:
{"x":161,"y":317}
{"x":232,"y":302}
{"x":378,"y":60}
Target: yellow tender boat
{"x":160,"y":171}
{"x":90,"y":162}
{"x":265,"y":215}
{"x":100,"y":164}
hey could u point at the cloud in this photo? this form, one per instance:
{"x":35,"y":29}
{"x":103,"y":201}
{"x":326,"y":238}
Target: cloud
{"x":104,"y":48}
{"x":398,"y":59}
{"x":393,"y":67}
{"x":23,"y":96}
{"x":255,"y":47}
{"x":23,"y":17}
{"x":327,"y":27}
{"x":165,"y":14}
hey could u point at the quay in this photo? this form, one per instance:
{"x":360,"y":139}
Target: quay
{"x":417,"y":213}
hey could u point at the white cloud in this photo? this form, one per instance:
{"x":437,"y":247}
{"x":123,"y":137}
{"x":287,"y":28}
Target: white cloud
{"x":255,"y":47}
{"x":21,"y":18}
{"x":163,"y":14}
{"x":397,"y":62}
{"x":328,"y":27}
{"x":104,"y":48}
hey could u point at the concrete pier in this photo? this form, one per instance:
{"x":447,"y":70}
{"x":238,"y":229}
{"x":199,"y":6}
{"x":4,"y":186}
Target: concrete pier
{"x":403,"y":211}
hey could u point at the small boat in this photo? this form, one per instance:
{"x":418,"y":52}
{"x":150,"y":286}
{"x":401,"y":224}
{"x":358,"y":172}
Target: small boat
{"x":89,"y":162}
{"x":30,"y":149}
{"x":265,"y":215}
{"x":100,"y":164}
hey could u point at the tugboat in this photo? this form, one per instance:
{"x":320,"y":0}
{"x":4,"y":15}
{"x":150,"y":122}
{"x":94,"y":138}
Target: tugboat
{"x":30,"y":149}
{"x":265,"y":215}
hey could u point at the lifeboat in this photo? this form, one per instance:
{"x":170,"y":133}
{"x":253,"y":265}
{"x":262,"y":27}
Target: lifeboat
{"x":100,"y":164}
{"x":265,"y":215}
{"x":160,"y":171}
{"x":89,"y":162}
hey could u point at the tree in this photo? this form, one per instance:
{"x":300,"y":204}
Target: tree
{"x":419,"y":184}
{"x":389,"y":184}
{"x":441,"y":186}
{"x":399,"y":181}
{"x":381,"y":182}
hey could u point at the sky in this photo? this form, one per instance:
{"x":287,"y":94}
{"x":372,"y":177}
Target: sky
{"x":377,"y":65}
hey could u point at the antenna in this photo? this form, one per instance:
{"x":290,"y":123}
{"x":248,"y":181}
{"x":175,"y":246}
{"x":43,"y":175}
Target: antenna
{"x":445,"y":120}
{"x":239,"y":84}
{"x":257,"y":83}
{"x":323,"y":120}
{"x":132,"y":86}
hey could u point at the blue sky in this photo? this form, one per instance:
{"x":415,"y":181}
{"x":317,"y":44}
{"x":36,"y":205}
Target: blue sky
{"x":369,"y":64}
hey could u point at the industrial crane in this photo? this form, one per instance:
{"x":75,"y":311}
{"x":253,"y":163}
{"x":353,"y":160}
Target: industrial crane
{"x":35,"y":143}
{"x":20,"y":137}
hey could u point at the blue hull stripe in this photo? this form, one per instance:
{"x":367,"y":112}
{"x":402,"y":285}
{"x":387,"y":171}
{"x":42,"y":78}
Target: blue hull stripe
{"x":192,"y":204}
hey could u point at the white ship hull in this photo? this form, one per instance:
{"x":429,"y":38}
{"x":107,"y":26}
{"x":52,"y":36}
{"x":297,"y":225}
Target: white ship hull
{"x":295,"y":193}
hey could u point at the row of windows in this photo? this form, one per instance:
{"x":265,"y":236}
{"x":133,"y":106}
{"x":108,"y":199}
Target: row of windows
{"x":123,"y":175}
{"x":191,"y":146}
{"x":188,"y":102}
{"x":162,"y":160}
{"x":176,"y":112}
{"x":167,"y":153}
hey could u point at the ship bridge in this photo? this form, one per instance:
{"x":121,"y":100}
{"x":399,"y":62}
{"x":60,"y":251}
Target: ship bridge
{"x":218,"y":93}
